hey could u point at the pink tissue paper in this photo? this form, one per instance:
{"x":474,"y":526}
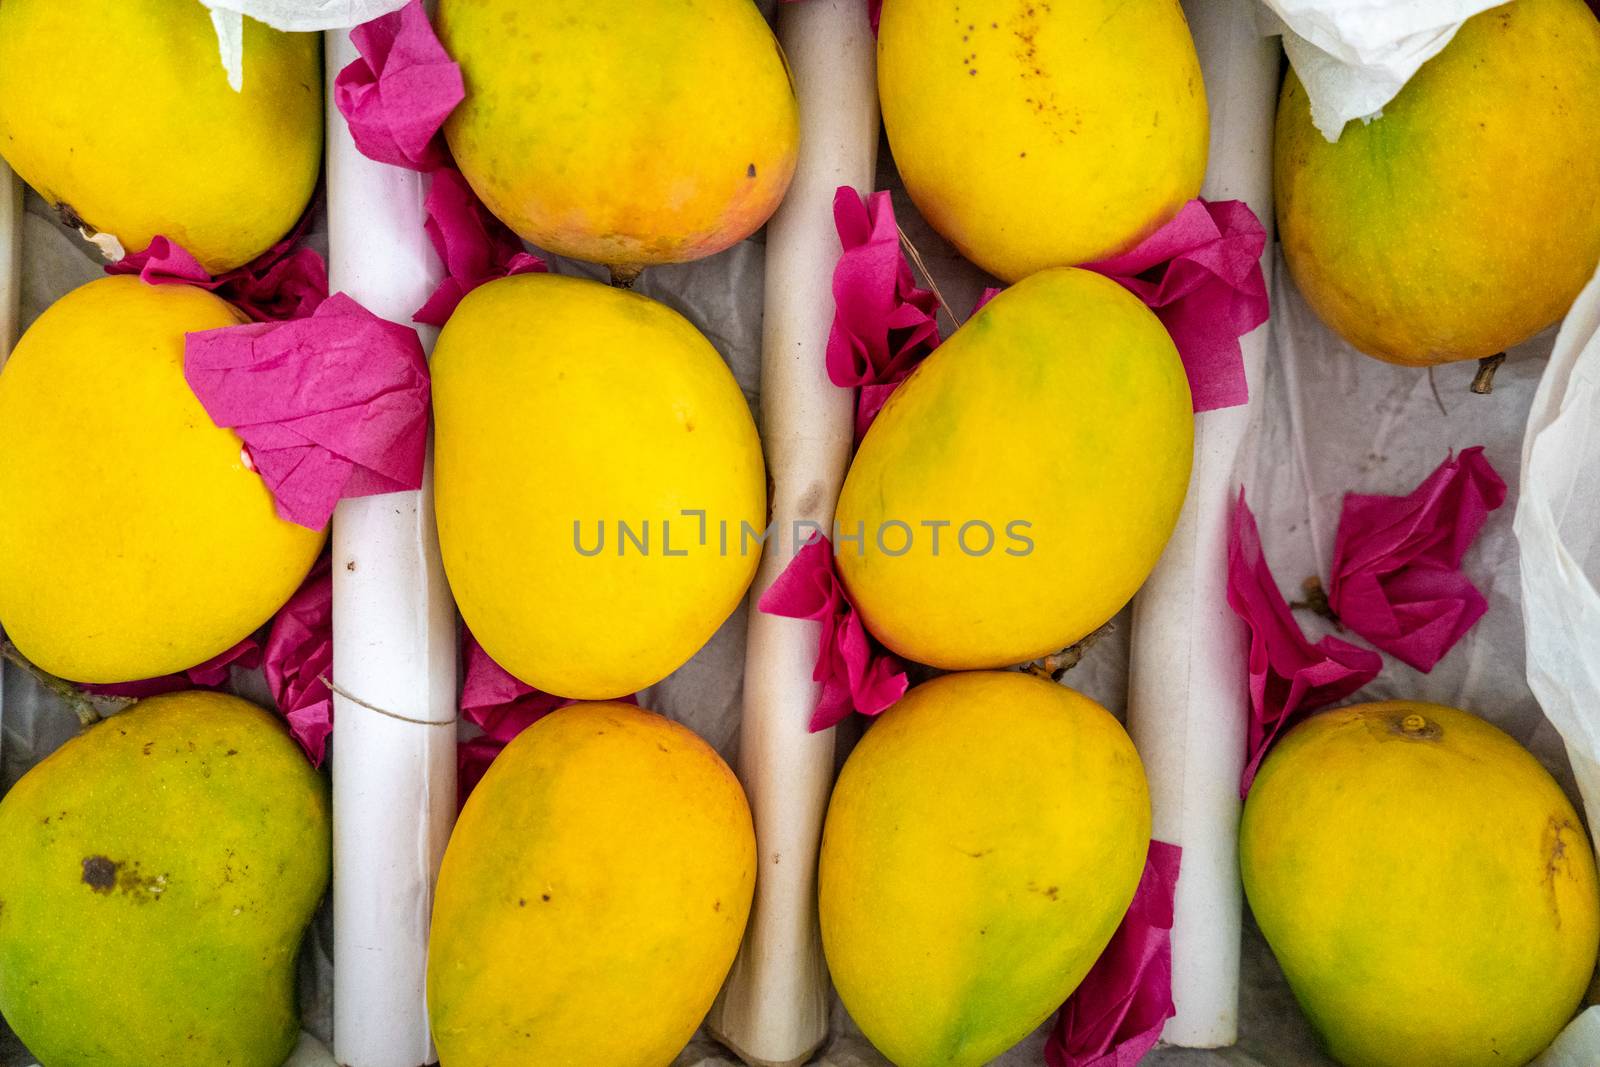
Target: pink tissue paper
{"x":474,"y":246}
{"x":855,"y":674}
{"x":883,"y":324}
{"x":288,"y":281}
{"x":299,"y":656}
{"x":1116,"y":1014}
{"x":1396,"y":577}
{"x":328,"y":407}
{"x":1289,"y":676}
{"x":1201,"y":274}
{"x":212,"y":674}
{"x":397,"y":95}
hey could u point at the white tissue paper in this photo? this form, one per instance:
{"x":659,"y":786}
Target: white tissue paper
{"x":1353,"y":56}
{"x":299,"y":15}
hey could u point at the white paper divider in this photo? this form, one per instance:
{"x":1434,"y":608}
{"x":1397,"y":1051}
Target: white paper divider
{"x":774,"y":1009}
{"x":394,"y":635}
{"x":10,"y":258}
{"x":1187,"y":692}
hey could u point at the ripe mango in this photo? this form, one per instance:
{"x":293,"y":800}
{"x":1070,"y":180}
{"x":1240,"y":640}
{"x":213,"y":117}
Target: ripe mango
{"x":623,"y":133}
{"x":1427,"y":887}
{"x":1042,"y":135}
{"x":982,"y":844}
{"x":160,"y":871}
{"x":1052,"y":437}
{"x":1465,"y":218}
{"x":596,"y":469}
{"x":136,"y":541}
{"x":119,"y":113}
{"x":592,"y":897}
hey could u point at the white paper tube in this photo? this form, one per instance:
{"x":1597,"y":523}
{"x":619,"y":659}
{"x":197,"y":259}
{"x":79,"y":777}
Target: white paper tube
{"x":394,"y":636}
{"x":1187,"y":693}
{"x":774,"y":1010}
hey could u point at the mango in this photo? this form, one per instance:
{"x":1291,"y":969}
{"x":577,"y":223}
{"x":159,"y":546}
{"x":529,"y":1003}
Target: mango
{"x":1043,"y":135}
{"x":600,"y":489}
{"x":1019,"y":487}
{"x":623,"y":133}
{"x":161,"y":869}
{"x":136,"y":541}
{"x":957,"y":916}
{"x":119,"y":113}
{"x":592,"y":897}
{"x":1466,"y":217}
{"x":1426,"y":885}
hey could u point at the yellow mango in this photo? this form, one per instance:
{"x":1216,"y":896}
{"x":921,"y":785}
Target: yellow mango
{"x":983,"y":842}
{"x":1466,"y":218}
{"x":136,"y":541}
{"x":119,"y":113}
{"x":1042,"y":135}
{"x":160,"y":871}
{"x":592,"y":897}
{"x":623,"y":133}
{"x":1427,"y":887}
{"x":596,"y":473}
{"x":1051,"y":437}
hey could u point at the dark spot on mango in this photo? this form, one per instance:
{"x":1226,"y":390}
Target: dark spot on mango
{"x":716,"y":905}
{"x":545,"y":897}
{"x":100,"y":873}
{"x":751,"y":172}
{"x":148,"y":745}
{"x":522,"y":902}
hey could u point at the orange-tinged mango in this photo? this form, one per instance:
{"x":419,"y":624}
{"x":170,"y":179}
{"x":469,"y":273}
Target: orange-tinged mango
{"x":1426,"y":885}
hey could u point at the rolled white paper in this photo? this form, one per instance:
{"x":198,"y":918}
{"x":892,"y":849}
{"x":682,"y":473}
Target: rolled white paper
{"x":774,"y":1009}
{"x":394,"y":637}
{"x":1187,"y":691}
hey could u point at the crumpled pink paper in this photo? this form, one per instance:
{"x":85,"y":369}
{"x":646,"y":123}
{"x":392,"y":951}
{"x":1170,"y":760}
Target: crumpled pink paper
{"x":299,"y":656}
{"x":855,"y":675}
{"x":1396,"y":578}
{"x":1201,"y":274}
{"x":1289,"y":676}
{"x":212,"y":674}
{"x":288,"y":281}
{"x":499,"y":704}
{"x":329,"y":407}
{"x":1116,"y":1014}
{"x":397,"y":95}
{"x":883,"y":324}
{"x":474,"y":246}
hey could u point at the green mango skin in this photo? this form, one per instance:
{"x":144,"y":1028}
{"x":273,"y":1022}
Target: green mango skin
{"x":159,"y":872}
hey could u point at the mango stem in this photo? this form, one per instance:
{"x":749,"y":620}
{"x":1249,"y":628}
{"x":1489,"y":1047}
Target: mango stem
{"x":70,"y":695}
{"x":1053,"y":666}
{"x":623,"y":275}
{"x":1483,"y":381}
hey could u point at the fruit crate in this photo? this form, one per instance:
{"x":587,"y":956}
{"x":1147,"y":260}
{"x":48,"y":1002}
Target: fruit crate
{"x":1322,"y":422}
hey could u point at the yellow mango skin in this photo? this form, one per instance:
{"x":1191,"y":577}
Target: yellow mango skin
{"x":1062,"y":403}
{"x":623,"y":133}
{"x":136,"y":542}
{"x":593,"y":895}
{"x":957,"y":916}
{"x":160,"y":871}
{"x":1426,"y":885}
{"x":119,"y":113}
{"x":561,"y":403}
{"x":1036,"y":135}
{"x":1467,"y":218}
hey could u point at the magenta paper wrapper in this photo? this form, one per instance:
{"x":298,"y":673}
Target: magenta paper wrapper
{"x":1116,"y":1014}
{"x":499,"y":704}
{"x":1201,"y":274}
{"x":397,"y":95}
{"x":212,"y":674}
{"x":328,"y":407}
{"x":883,"y":324}
{"x":298,"y":659}
{"x":474,"y":246}
{"x":288,"y":281}
{"x":855,"y":674}
{"x":1289,"y":676}
{"x":1396,"y":578}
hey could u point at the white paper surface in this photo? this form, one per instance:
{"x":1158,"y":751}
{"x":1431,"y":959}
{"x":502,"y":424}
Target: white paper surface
{"x":1355,"y":55}
{"x":227,"y":16}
